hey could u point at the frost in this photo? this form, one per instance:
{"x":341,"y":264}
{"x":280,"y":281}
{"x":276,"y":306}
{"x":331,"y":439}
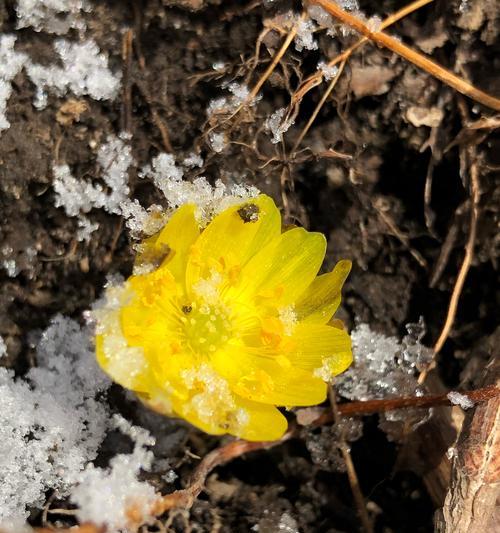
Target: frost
{"x":460,"y":399}
{"x":52,"y":16}
{"x":142,"y":221}
{"x":84,"y":72}
{"x":106,"y":496}
{"x":11,"y":62}
{"x":329,"y":72}
{"x":209,"y":200}
{"x":228,"y":104}
{"x":288,"y":524}
{"x":80,"y":196}
{"x":322,"y":17}
{"x":278,"y":124}
{"x":193,"y":160}
{"x":305,"y":35}
{"x":50,"y":422}
{"x":385,"y":367}
{"x":217,"y":141}
{"x":3,"y":348}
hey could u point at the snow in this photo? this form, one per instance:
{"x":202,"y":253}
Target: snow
{"x":328,"y":72}
{"x":52,"y":16}
{"x":84,"y":71}
{"x":217,"y":141}
{"x":11,"y":62}
{"x":51,"y":424}
{"x":278,"y":124}
{"x":460,"y":399}
{"x":228,"y":104}
{"x":305,"y":35}
{"x":106,"y":496}
{"x":80,"y":196}
{"x":3,"y":348}
{"x":209,"y":199}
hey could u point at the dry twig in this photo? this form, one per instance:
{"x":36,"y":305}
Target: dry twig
{"x":418,"y":59}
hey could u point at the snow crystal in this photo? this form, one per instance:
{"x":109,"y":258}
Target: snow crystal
{"x":52,"y":16}
{"x":305,"y":35}
{"x":278,"y":124}
{"x":3,"y":348}
{"x":142,"y":221}
{"x":11,"y":62}
{"x":209,"y":200}
{"x":84,"y":72}
{"x":105,"y":496}
{"x":50,"y":422}
{"x":217,"y":141}
{"x":288,"y":524}
{"x":329,"y":72}
{"x":193,"y":160}
{"x":228,"y":104}
{"x":460,"y":399}
{"x":80,"y":196}
{"x":385,"y":367}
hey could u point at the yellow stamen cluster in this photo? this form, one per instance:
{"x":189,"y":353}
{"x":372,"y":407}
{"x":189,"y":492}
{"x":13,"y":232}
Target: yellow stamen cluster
{"x":226,"y":323}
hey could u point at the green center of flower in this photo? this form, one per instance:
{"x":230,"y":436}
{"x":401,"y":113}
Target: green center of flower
{"x":207,"y":328}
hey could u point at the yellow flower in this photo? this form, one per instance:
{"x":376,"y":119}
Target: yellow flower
{"x":230,"y":321}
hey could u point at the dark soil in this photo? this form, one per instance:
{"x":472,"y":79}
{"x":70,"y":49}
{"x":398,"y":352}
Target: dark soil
{"x":371,"y":206}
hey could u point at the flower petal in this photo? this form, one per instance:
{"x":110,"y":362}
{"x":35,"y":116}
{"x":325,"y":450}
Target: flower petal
{"x":283,"y":270}
{"x":265,"y":422}
{"x":314,"y":343}
{"x":234,"y":236}
{"x":322,"y":298}
{"x":171,"y":245}
{"x":268,"y":380}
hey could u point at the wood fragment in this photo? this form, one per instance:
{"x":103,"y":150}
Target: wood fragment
{"x":471,"y":505}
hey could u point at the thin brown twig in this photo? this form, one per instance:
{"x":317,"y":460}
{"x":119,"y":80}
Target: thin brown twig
{"x":317,"y":77}
{"x":314,"y":114}
{"x":350,"y":469}
{"x":323,"y":415}
{"x":411,"y":55}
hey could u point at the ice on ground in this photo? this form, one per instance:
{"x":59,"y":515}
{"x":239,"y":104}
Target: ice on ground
{"x":52,"y":16}
{"x":84,"y":71}
{"x":209,"y":200}
{"x":124,"y":492}
{"x":240,"y":94}
{"x":278,"y":124}
{"x":78,"y":196}
{"x":329,"y":72}
{"x":11,"y":62}
{"x":217,"y":141}
{"x":305,"y":35}
{"x":51,"y":423}
{"x":3,"y":348}
{"x":385,"y":367}
{"x":460,"y":399}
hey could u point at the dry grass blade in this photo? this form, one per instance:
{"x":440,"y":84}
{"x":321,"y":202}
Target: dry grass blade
{"x":317,"y":78}
{"x":420,"y":60}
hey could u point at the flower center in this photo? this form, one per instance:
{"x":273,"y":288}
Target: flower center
{"x":207,"y":327}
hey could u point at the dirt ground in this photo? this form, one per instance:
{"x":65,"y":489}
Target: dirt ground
{"x":384,"y":172}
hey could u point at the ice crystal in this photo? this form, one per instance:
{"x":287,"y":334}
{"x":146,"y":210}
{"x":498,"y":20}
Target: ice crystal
{"x":11,"y":62}
{"x":84,"y":71}
{"x":3,"y":348}
{"x":278,"y":124}
{"x":460,"y":399}
{"x":50,"y":422}
{"x":119,"y":484}
{"x":329,"y":72}
{"x":305,"y":35}
{"x":228,"y":104}
{"x":80,"y":196}
{"x":210,"y":200}
{"x":52,"y":16}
